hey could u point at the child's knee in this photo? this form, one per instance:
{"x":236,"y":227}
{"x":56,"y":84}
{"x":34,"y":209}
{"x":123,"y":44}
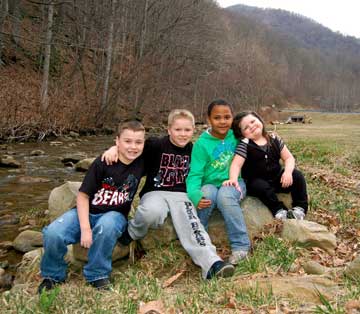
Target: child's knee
{"x":209,"y":191}
{"x":51,"y":234}
{"x":111,"y":223}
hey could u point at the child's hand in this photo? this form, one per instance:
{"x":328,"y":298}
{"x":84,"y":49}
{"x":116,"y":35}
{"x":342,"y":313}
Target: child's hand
{"x":233,"y":183}
{"x":286,"y":179}
{"x":110,"y":156}
{"x":204,"y":203}
{"x":86,"y":238}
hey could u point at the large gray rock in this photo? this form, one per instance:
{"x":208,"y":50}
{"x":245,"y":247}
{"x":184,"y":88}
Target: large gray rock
{"x":73,"y":157}
{"x":309,"y":234}
{"x":353,"y":269}
{"x":256,"y":215}
{"x":32,"y":180}
{"x":314,"y":268}
{"x":7,"y":161}
{"x":63,"y":198}
{"x":28,"y":240}
{"x":304,"y":289}
{"x":80,"y":253}
{"x":84,"y":165}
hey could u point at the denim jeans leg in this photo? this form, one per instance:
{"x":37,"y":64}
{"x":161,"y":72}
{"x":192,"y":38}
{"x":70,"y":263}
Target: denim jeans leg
{"x":209,"y":192}
{"x":106,"y":229}
{"x":228,"y":202}
{"x":61,"y":232}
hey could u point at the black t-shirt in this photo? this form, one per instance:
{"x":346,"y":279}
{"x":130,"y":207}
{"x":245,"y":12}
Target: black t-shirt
{"x":112,"y":188}
{"x":167,"y":165}
{"x":261,"y":161}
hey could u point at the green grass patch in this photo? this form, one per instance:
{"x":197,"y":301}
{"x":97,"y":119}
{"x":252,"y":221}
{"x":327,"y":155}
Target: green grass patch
{"x":272,"y":253}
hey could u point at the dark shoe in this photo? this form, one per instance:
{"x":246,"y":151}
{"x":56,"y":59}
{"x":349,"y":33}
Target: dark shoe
{"x":125,"y":238}
{"x":101,"y":284}
{"x":220,"y":269}
{"x":48,"y":284}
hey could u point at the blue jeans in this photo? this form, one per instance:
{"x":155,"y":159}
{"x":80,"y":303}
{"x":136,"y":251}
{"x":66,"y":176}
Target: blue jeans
{"x":227,"y":200}
{"x":65,"y":230}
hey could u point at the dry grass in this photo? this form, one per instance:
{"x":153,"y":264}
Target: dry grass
{"x":319,"y":146}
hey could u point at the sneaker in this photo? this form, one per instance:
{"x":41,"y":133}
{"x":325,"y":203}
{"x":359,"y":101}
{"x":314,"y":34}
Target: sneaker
{"x":220,"y":269}
{"x":298,"y":213}
{"x":125,"y":238}
{"x":237,"y":256}
{"x":48,"y":284}
{"x":101,"y":284}
{"x":281,"y":214}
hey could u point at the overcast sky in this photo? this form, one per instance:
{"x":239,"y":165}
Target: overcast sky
{"x":338,"y":15}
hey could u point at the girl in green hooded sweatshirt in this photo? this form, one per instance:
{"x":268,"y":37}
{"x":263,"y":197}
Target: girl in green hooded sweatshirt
{"x":209,"y":167}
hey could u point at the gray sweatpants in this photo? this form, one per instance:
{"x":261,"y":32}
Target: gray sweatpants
{"x":151,"y":213}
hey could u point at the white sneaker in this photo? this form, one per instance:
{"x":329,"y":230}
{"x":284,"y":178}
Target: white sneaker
{"x":237,"y":256}
{"x":281,"y":214}
{"x":298,"y":213}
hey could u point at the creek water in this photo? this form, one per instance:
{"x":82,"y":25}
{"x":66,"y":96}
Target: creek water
{"x":18,"y":197}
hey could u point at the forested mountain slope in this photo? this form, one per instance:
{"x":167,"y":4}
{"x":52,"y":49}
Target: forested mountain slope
{"x":76,"y":64}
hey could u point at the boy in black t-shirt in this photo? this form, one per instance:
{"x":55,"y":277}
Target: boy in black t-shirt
{"x":167,"y":161}
{"x":103,"y":204}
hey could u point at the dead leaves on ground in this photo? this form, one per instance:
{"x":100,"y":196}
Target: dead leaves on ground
{"x":334,"y":180}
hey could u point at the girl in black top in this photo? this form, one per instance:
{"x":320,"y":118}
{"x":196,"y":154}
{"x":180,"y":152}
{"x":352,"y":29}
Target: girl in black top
{"x":258,"y":156}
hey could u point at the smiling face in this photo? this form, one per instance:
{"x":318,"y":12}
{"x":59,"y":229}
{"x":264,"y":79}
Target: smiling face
{"x":251,"y":127}
{"x":220,"y":120}
{"x":130,"y":145}
{"x":181,"y":131}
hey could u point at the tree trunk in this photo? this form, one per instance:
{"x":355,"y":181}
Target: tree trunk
{"x":4,"y":9}
{"x":15,"y":11}
{"x":109,"y":52}
{"x":47,"y":56}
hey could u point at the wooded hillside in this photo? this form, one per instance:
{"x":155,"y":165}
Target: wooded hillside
{"x":78,"y":64}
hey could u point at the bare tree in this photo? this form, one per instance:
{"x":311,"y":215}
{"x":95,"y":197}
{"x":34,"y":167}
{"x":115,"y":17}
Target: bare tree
{"x":4,"y":9}
{"x":47,"y":56}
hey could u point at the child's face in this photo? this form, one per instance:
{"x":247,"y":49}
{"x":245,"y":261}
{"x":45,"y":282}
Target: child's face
{"x":220,"y":120}
{"x":181,"y":132}
{"x":130,"y":145}
{"x":251,"y":127}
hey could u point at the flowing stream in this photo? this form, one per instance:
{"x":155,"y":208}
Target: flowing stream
{"x":17,"y":196}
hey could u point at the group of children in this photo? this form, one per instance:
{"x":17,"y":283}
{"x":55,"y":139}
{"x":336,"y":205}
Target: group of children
{"x":184,"y":180}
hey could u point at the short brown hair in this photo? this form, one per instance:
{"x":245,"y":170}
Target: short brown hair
{"x":132,"y":125}
{"x":180,"y":113}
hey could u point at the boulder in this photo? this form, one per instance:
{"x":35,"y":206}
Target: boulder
{"x":6,"y":245}
{"x":6,"y":280}
{"x":7,"y":161}
{"x":353,"y":269}
{"x":28,"y":240}
{"x":84,"y":165}
{"x":9,"y":219}
{"x":73,"y":134}
{"x":256,"y":215}
{"x":63,"y":198}
{"x":309,"y":234}
{"x":56,"y":143}
{"x":37,"y":152}
{"x":314,"y":268}
{"x":31,"y":180}
{"x":73,"y":157}
{"x":80,"y":253}
{"x":305,"y":288}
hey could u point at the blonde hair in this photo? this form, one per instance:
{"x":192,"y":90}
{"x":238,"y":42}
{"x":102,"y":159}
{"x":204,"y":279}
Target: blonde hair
{"x":180,"y":113}
{"x":132,"y":125}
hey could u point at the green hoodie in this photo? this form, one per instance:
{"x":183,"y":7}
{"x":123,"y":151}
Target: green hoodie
{"x":210,"y":163}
